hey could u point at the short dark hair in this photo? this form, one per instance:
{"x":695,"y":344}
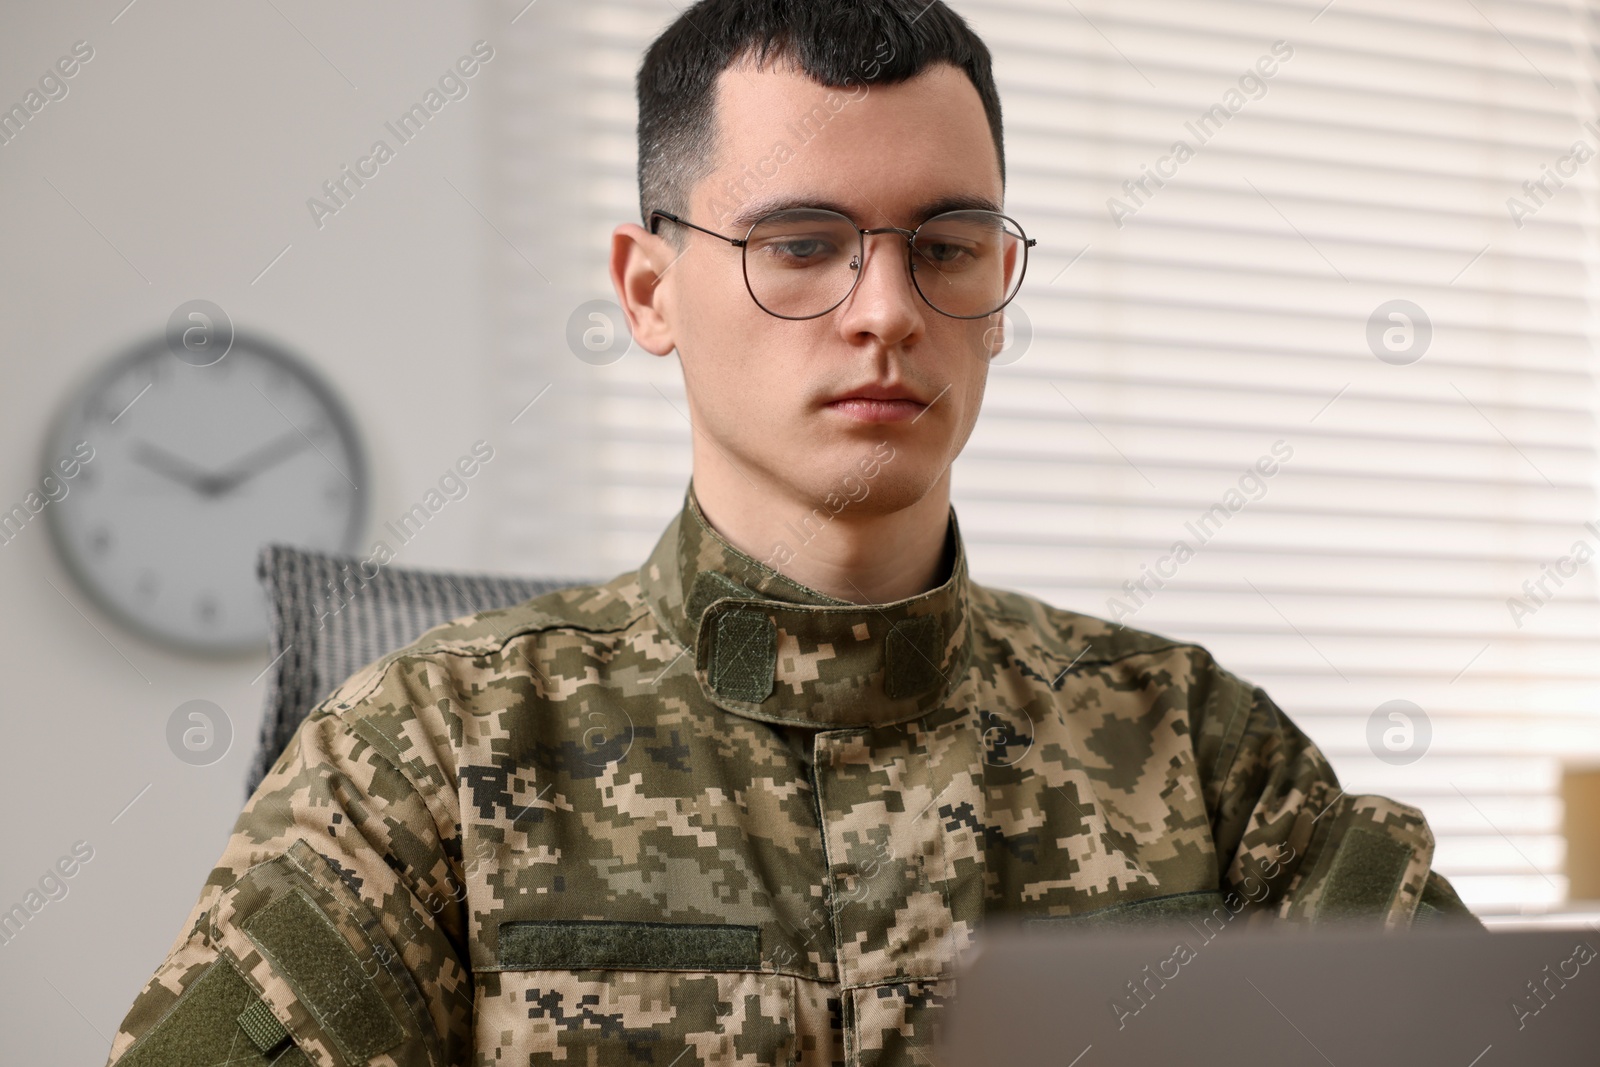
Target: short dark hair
{"x":837,"y":43}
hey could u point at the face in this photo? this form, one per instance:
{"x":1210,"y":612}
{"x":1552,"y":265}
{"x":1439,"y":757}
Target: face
{"x":764,"y":391}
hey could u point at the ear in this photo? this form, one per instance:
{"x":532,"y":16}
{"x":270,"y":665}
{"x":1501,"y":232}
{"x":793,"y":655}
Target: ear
{"x":640,"y":261}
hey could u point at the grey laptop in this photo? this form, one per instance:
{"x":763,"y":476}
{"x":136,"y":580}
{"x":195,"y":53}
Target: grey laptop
{"x":1027,"y":995}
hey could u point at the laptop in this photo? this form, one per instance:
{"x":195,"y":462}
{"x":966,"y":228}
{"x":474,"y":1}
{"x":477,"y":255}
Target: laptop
{"x":1036,"y":994}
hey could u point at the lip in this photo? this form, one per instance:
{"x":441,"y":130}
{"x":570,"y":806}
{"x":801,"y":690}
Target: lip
{"x":879,"y":392}
{"x":872,"y":409}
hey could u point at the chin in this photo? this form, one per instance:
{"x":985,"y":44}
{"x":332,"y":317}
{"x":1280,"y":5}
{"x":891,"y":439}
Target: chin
{"x":876,"y":487}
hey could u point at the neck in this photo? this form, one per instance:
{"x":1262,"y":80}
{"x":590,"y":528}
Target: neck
{"x":852,"y":554}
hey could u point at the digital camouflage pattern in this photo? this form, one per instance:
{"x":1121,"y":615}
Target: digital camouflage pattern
{"x":703,"y":814}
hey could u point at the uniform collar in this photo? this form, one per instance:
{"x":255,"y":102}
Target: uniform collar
{"x":766,"y":647}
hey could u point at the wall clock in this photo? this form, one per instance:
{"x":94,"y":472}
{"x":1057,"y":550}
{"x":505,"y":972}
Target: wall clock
{"x":194,"y":467}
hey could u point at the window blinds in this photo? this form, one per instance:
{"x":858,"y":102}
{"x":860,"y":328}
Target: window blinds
{"x":1313,"y":299}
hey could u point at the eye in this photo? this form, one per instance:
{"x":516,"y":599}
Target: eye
{"x":947,"y":254}
{"x":802,"y":248}
{"x":797,"y":250}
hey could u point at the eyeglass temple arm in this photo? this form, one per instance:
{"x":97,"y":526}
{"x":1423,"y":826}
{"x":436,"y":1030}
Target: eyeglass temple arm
{"x":658,"y":213}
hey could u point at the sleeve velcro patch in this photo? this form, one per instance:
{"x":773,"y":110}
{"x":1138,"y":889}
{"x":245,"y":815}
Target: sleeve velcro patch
{"x":325,"y":973}
{"x":204,"y":1026}
{"x":1365,"y":876}
{"x":576,"y":944}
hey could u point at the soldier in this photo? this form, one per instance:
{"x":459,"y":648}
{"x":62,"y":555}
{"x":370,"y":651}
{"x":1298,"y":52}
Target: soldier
{"x":749,"y":802}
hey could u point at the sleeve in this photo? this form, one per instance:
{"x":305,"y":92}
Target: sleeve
{"x":332,"y":930}
{"x":1290,"y":839}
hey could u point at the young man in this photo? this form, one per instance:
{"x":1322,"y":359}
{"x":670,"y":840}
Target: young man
{"x":750,"y":801}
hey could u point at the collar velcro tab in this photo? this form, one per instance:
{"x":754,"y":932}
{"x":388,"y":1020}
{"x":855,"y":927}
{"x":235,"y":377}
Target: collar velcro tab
{"x":770,"y":648}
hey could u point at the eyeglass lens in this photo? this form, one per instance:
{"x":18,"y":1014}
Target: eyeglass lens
{"x":803,"y":262}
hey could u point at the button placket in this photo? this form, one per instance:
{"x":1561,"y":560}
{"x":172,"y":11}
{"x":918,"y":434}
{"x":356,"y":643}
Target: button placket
{"x":901,"y":809}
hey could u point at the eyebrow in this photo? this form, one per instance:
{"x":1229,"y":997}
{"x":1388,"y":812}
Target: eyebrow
{"x":747,"y":217}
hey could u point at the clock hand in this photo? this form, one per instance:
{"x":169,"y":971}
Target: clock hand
{"x":260,"y":459}
{"x":175,"y":467}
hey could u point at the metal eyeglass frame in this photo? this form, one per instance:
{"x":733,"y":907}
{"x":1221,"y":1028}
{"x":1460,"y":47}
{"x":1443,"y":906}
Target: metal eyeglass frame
{"x":742,"y":243}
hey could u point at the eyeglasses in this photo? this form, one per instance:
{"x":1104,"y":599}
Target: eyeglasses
{"x":801,"y":263}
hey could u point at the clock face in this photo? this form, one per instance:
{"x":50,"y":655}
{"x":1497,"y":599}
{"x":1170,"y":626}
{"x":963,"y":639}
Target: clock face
{"x":193,"y":468}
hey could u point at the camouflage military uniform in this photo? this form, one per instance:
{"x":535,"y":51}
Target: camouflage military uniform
{"x":703,"y":814}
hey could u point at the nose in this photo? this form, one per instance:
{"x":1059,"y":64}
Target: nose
{"x":884,"y":302}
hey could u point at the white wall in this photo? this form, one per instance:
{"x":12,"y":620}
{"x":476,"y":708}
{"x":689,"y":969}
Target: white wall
{"x":192,"y":141}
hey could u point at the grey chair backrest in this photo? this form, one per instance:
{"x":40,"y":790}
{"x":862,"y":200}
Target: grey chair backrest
{"x":328,"y":620}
